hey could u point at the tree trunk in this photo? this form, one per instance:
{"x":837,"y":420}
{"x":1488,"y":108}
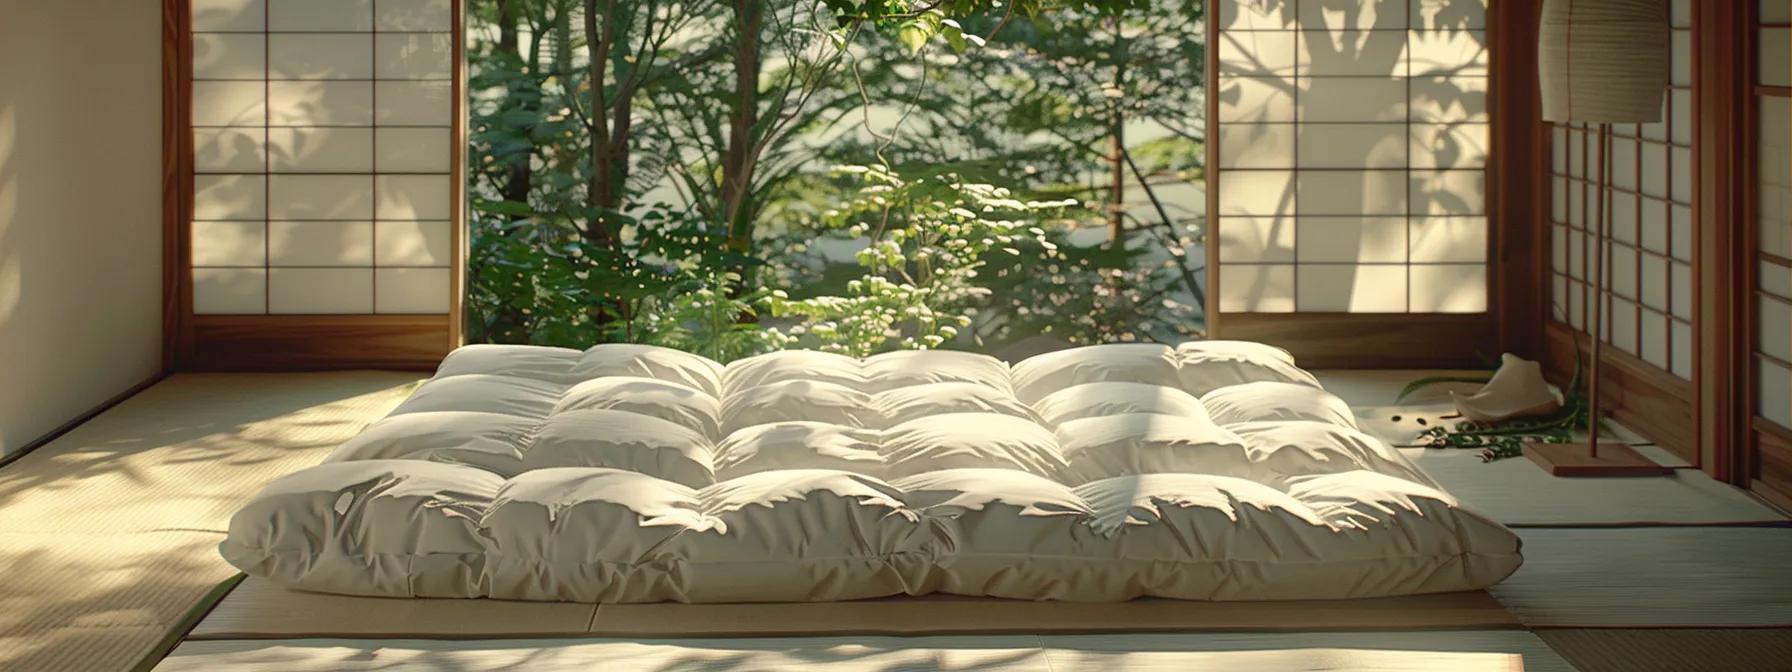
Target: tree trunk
{"x":519,"y":174}
{"x":1117,"y":178}
{"x":1117,"y":143}
{"x":739,"y":163}
{"x":600,"y":191}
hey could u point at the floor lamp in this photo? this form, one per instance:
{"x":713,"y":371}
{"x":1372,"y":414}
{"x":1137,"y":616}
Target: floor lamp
{"x":1601,"y":62}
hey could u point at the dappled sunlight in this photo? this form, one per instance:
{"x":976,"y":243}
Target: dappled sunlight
{"x":868,"y":654}
{"x":1387,"y":100}
{"x":89,"y":594}
{"x":109,"y":532}
{"x":12,"y":283}
{"x":1414,"y":652}
{"x":1296,"y":657}
{"x":134,"y":449}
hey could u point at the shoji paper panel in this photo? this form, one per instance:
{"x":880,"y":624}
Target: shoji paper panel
{"x":1649,"y":272}
{"x":1353,"y":142}
{"x":1773,"y":212}
{"x":321,"y":146}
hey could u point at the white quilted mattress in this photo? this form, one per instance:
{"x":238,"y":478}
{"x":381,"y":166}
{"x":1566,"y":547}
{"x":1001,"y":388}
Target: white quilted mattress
{"x":1210,"y":471}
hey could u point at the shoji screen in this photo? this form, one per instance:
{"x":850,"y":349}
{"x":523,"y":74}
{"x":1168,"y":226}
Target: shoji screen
{"x":321,"y":151}
{"x":322,"y":159}
{"x":1649,"y":277}
{"x":1772,"y":470}
{"x":1353,"y":138}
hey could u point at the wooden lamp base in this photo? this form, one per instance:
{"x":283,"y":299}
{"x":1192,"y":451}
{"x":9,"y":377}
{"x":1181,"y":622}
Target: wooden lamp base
{"x":1578,"y":460}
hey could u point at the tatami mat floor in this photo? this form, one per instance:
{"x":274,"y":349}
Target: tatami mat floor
{"x":1466,"y":651}
{"x":107,"y":535}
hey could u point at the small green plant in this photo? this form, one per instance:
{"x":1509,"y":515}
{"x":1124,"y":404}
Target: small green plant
{"x":715,"y":319}
{"x":1500,"y":440}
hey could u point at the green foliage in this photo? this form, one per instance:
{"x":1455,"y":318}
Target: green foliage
{"x":664,"y":185}
{"x":1501,"y":440}
{"x":927,"y":239}
{"x":712,"y":318}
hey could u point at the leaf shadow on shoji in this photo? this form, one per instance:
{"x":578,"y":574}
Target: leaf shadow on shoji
{"x":322,"y":133}
{"x":1353,"y":138}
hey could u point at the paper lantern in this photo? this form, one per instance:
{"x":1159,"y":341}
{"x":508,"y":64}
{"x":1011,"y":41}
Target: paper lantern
{"x":1604,"y":61}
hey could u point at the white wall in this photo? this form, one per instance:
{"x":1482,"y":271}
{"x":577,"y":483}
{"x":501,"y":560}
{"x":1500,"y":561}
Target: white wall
{"x":80,"y":207}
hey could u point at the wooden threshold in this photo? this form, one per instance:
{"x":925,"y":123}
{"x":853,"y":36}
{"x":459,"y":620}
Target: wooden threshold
{"x":317,"y":342}
{"x":1373,"y":341}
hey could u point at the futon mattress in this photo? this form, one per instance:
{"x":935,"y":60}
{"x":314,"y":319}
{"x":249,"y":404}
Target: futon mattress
{"x":625,"y":473}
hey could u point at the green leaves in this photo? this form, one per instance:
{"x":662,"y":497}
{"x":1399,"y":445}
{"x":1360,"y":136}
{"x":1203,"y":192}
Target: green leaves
{"x":1501,"y":440}
{"x":926,"y":239}
{"x":510,"y":208}
{"x":914,"y":34}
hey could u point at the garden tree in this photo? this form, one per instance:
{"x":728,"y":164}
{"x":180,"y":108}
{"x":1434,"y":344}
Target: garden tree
{"x":810,"y":42}
{"x":553,"y":139}
{"x":630,"y":45}
{"x":1064,"y":88}
{"x":626,"y":152}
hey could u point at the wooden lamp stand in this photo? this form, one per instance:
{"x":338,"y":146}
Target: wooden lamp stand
{"x":1593,"y":458}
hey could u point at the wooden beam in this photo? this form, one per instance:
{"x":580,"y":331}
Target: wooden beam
{"x":457,"y":155}
{"x":314,"y":342}
{"x":177,"y":174}
{"x":1373,"y":341}
{"x":1723,"y":244}
{"x":1518,"y":180}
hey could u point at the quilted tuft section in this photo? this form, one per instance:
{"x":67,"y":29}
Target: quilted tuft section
{"x":1279,"y":402}
{"x":1213,"y":470}
{"x":490,"y":441}
{"x":521,"y":361}
{"x":812,"y":400}
{"x":402,"y":528}
{"x":588,"y":535}
{"x":1205,"y":366}
{"x":622,"y":440}
{"x":1093,"y":400}
{"x":484,"y":393}
{"x":648,"y":361}
{"x":972,"y":440}
{"x":1149,"y":443}
{"x":799,"y":445}
{"x":654,"y":398}
{"x":1149,"y":363}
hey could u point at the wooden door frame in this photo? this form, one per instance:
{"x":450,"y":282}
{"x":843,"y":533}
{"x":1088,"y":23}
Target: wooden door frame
{"x":1747,"y":438}
{"x":1723,"y":289}
{"x":288,"y":342}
